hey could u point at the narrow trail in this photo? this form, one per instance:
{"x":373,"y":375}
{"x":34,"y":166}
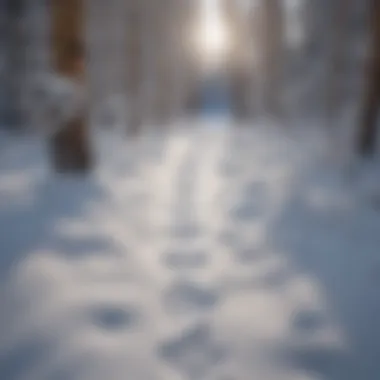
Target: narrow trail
{"x":203,"y":254}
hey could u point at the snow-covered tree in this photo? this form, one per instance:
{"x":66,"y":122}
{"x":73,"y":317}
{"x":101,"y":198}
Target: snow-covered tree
{"x":70,"y":144}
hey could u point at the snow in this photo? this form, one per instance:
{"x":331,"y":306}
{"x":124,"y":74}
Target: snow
{"x":54,"y":100}
{"x":201,"y":252}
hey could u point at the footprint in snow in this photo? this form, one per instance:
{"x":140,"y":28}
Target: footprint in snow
{"x":183,"y":297}
{"x":185,"y":259}
{"x":194,"y":353}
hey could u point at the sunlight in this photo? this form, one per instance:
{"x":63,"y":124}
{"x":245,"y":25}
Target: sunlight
{"x":211,"y":34}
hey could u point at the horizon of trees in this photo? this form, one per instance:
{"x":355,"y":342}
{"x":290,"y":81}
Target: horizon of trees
{"x":143,"y":54}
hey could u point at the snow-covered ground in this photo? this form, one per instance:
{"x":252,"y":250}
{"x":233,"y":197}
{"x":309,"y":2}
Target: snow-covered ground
{"x":205,"y":253}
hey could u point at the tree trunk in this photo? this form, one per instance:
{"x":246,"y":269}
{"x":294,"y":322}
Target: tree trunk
{"x":340,"y":14}
{"x":239,"y":72}
{"x":272,"y":56}
{"x":14,"y":20}
{"x":239,"y":94}
{"x":366,"y":142}
{"x":134,"y":65}
{"x":70,"y":145}
{"x":163,"y":79}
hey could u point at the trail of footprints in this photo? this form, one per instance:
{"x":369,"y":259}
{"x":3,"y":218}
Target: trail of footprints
{"x":195,"y":351}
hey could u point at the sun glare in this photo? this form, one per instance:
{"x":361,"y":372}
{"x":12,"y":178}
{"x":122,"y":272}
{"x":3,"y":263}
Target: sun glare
{"x":211,"y":34}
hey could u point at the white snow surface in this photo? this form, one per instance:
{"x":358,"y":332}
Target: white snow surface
{"x":195,"y":253}
{"x":54,"y":99}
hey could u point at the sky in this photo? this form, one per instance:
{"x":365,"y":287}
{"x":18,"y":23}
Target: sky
{"x":213,"y":34}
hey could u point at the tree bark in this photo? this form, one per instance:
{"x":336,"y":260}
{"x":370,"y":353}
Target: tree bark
{"x":366,"y":142}
{"x":134,"y":65}
{"x":239,"y":95}
{"x":70,"y":145}
{"x":272,"y":56}
{"x":163,"y":63}
{"x":239,"y":73}
{"x":14,"y":43}
{"x":339,"y":38}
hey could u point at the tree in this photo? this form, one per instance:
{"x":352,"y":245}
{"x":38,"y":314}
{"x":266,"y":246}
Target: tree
{"x":164,"y":60}
{"x":70,"y":144}
{"x":271,"y":55}
{"x":14,"y":44}
{"x":338,"y":59}
{"x":366,"y":141}
{"x":134,"y":65}
{"x":239,"y":71}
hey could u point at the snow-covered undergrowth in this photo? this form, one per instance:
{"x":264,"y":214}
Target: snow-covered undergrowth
{"x":54,"y":100}
{"x":197,"y":253}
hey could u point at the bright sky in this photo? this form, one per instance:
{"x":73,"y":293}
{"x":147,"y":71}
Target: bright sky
{"x":213,"y":36}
